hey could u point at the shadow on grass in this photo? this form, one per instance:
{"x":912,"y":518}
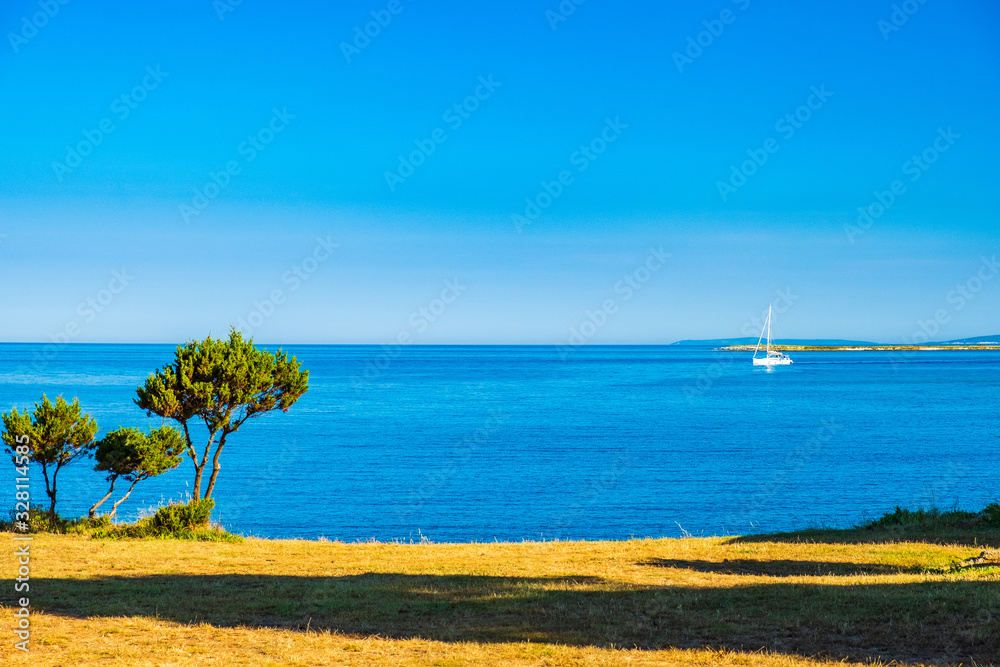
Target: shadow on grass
{"x":950,"y":620}
{"x":983,"y":538}
{"x":784,"y":568}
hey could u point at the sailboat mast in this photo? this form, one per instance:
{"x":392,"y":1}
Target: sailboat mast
{"x":757,"y":349}
{"x":769,"y":328}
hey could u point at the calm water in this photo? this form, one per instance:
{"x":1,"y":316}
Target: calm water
{"x":512,"y":443}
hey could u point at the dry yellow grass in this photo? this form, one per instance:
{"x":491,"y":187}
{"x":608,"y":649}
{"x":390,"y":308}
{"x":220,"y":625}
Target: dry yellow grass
{"x":707,"y":601}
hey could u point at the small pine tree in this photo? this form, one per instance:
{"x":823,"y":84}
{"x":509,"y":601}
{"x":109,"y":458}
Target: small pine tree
{"x":57,"y":434}
{"x":223,"y":383}
{"x":133,"y":456}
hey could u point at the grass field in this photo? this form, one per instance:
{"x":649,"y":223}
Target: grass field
{"x":811,"y":598}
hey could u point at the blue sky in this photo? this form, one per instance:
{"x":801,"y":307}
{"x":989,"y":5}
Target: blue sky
{"x":642,"y":137}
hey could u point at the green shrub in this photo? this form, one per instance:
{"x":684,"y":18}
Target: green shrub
{"x":991,"y":515}
{"x":40,"y":521}
{"x":934,"y":519}
{"x":183,"y":521}
{"x":178,"y":517}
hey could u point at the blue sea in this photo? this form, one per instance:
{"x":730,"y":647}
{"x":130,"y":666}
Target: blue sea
{"x":459,"y":444}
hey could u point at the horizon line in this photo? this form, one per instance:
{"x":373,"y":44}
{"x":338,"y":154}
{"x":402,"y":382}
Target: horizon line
{"x":684,"y":342}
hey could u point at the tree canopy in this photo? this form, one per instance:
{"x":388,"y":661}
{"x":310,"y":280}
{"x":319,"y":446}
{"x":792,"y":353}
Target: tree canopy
{"x":131,"y":455}
{"x":221,"y":383}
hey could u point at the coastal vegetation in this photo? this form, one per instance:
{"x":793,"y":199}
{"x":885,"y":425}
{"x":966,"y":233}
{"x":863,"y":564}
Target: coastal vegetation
{"x":51,"y":437}
{"x":222,"y":383}
{"x":189,"y":520}
{"x":131,"y":455}
{"x":179,"y":521}
{"x":891,"y":591}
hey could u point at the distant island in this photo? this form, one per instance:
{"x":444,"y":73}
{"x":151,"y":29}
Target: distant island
{"x":718,"y":342}
{"x":830,"y":345}
{"x":861,"y":348}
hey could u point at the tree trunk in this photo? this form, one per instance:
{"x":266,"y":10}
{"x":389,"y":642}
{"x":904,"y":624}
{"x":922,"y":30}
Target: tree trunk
{"x":114,"y":508}
{"x":48,"y":489}
{"x":93,"y":509}
{"x":215,"y":464}
{"x":200,"y":467}
{"x":197,"y":481}
{"x":52,"y":495}
{"x":194,"y":460}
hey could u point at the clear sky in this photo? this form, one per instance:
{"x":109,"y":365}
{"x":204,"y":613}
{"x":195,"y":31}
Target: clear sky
{"x":739,"y":138}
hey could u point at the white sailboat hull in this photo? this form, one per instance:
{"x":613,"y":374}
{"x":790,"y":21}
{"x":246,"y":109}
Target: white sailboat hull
{"x":772,"y":361}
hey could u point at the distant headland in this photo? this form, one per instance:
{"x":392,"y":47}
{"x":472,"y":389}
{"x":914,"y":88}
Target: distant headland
{"x":830,"y":345}
{"x":860,"y":348}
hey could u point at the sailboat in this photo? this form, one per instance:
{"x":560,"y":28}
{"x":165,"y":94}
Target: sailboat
{"x":773,"y":357}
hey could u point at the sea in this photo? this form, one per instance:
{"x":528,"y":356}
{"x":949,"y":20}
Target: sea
{"x":514,"y":443}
